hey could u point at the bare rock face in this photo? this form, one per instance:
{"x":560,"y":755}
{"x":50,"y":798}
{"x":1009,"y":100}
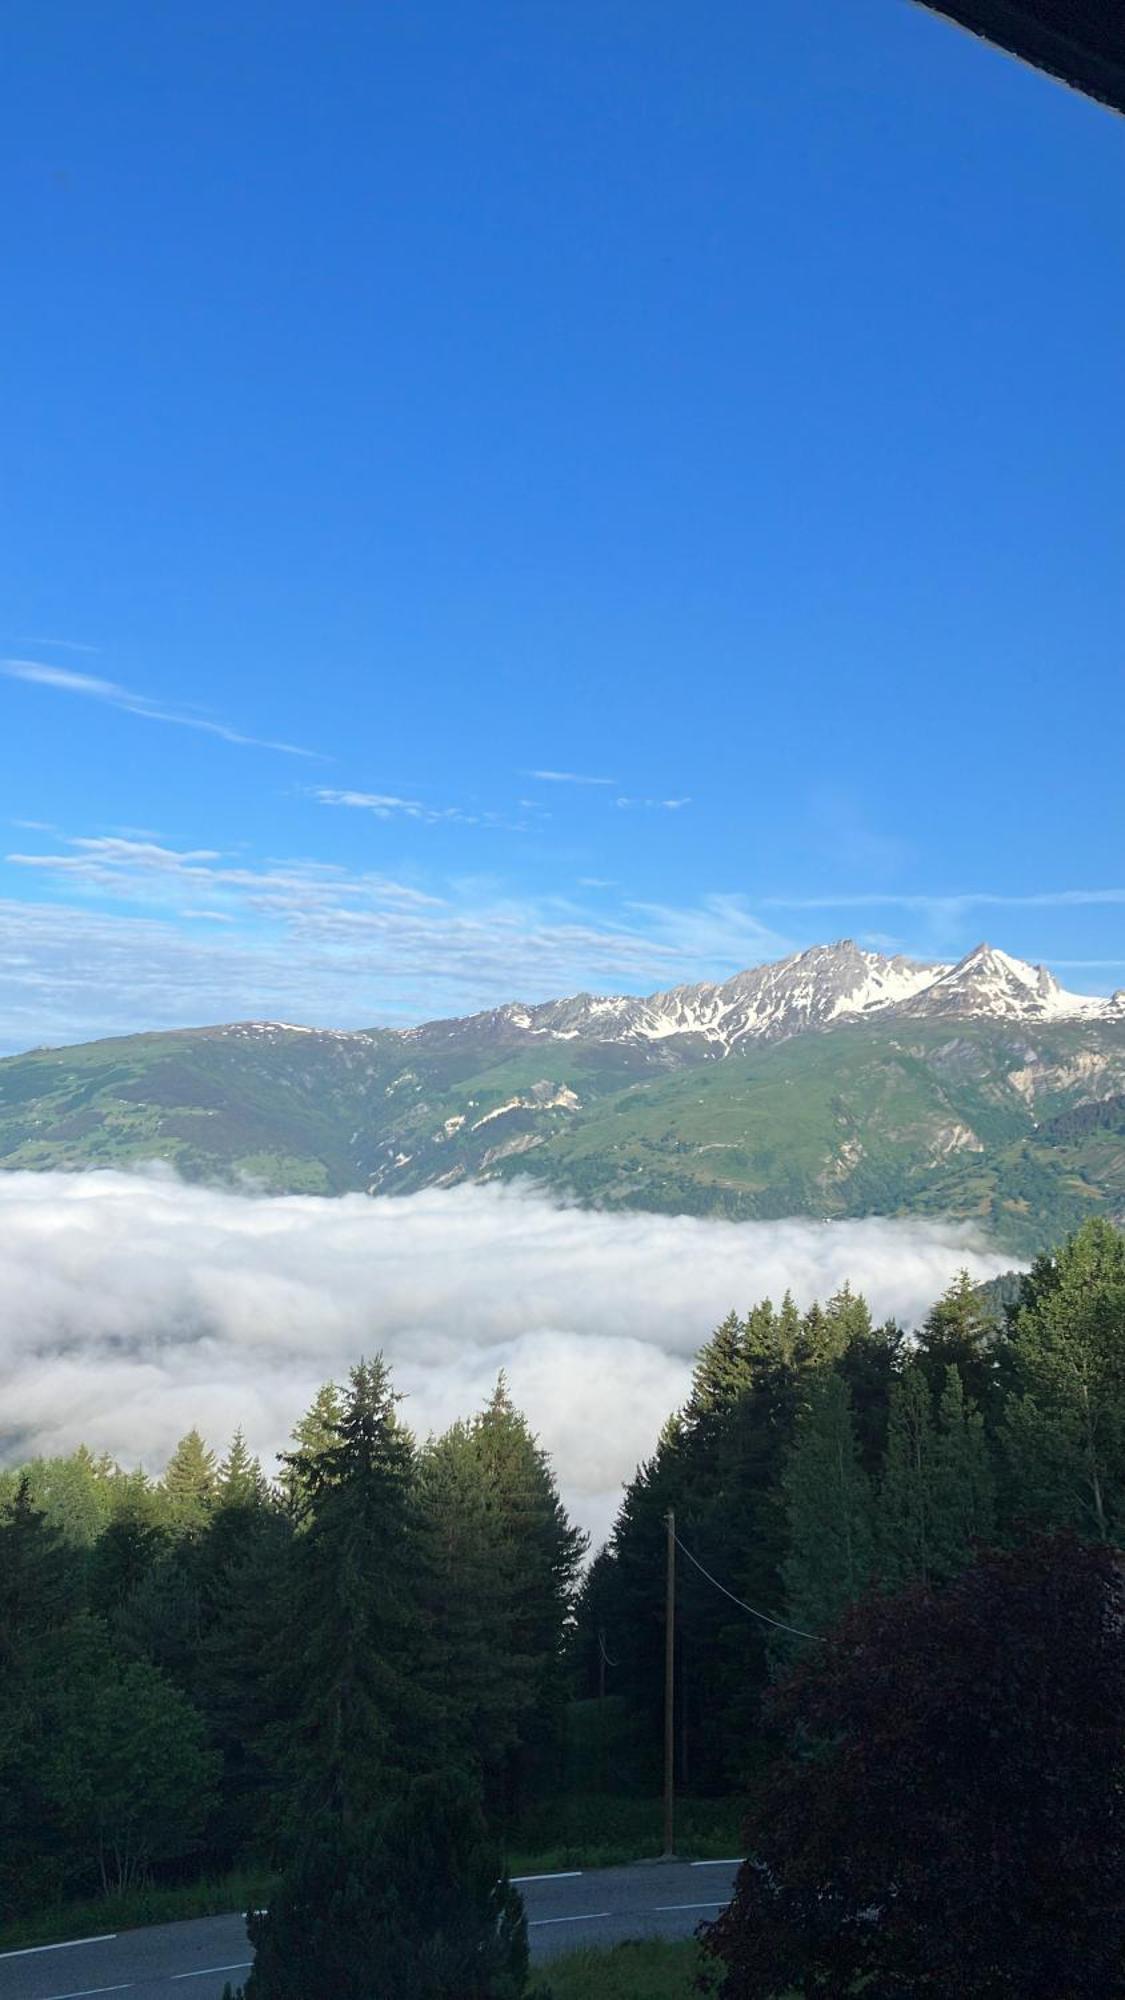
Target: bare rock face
{"x":811,"y":989}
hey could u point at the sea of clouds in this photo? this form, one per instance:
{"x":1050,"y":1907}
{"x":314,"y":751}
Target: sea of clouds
{"x":133,"y":1307}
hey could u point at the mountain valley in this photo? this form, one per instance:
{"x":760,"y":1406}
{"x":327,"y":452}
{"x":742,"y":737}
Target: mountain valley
{"x":832,"y":1083}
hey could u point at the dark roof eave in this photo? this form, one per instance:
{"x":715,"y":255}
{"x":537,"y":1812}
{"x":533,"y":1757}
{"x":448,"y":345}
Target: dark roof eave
{"x":1082,"y":42}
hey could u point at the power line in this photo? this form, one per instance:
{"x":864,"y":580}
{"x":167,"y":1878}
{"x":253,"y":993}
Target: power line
{"x":602,"y":1650}
{"x":763,"y":1615}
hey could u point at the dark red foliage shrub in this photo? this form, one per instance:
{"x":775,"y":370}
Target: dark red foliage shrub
{"x":949,"y":1816}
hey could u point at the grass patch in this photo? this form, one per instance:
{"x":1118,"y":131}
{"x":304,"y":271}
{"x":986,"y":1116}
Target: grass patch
{"x":158,"y":1903}
{"x":605,"y":1832}
{"x":648,"y":1969}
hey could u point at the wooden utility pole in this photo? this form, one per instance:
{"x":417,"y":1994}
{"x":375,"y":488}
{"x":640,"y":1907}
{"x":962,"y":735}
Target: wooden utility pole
{"x":670,"y":1692}
{"x":603,"y":1748}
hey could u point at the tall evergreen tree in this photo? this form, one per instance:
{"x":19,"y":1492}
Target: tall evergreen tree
{"x":354,"y":1689}
{"x":718,"y":1465}
{"x":538,"y":1553}
{"x":188,"y":1486}
{"x":1065,"y":1421}
{"x":240,"y":1481}
{"x":829,"y":1510}
{"x":959,"y":1332}
{"x":869,"y":1365}
{"x":312,"y":1436}
{"x":905,"y":1511}
{"x":962,"y":1484}
{"x":242,"y":1571}
{"x":482,"y":1689}
{"x":411,"y":1903}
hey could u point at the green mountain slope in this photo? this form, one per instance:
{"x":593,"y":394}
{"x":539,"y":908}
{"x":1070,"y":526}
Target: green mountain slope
{"x":1019,"y":1126}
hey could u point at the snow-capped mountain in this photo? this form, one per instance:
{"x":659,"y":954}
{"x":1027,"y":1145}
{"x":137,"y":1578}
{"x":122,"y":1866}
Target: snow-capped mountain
{"x":836,"y":1082}
{"x":811,"y":989}
{"x":991,"y":983}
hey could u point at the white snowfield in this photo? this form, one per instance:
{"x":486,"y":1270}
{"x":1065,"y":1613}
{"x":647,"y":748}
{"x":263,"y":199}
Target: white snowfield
{"x":811,"y":989}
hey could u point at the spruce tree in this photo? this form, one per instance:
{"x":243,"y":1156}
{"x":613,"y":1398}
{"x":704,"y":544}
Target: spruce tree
{"x":352,"y":1687}
{"x":962,"y":1485}
{"x":869,"y":1365}
{"x":959,"y":1332}
{"x":482,"y":1688}
{"x":240,"y":1481}
{"x":312,"y":1435}
{"x":1064,"y":1428}
{"x":188,"y":1486}
{"x":905,"y":1507}
{"x":538,"y":1553}
{"x":829,"y":1515}
{"x":123,"y":1557}
{"x":410,"y":1903}
{"x":241,"y":1569}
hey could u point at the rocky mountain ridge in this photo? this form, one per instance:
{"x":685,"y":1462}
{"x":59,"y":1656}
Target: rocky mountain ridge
{"x":834,"y":1083}
{"x":810,"y":989}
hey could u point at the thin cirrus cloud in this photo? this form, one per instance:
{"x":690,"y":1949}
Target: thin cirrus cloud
{"x":652,"y":805}
{"x":952,"y":904}
{"x":568,"y":778}
{"x":386,"y":805}
{"x":56,"y":645}
{"x":63,"y":680}
{"x":316,"y":942}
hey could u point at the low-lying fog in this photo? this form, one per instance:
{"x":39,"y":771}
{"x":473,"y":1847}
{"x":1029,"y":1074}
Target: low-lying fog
{"x":133,"y":1307}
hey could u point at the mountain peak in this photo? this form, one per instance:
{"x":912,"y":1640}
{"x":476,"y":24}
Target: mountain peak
{"x":990,"y":982}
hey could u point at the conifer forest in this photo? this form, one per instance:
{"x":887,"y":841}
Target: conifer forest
{"x":214,"y":1668}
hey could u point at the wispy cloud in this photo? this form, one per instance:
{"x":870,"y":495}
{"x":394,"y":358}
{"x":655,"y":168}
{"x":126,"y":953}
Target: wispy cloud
{"x":652,"y":805}
{"x":953,"y":904}
{"x":721,"y":932}
{"x":55,"y":645}
{"x":146,"y":871}
{"x":385,"y":805}
{"x":568,"y":778}
{"x":91,"y":687}
{"x":317,"y":942}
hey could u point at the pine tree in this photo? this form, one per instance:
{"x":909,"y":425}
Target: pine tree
{"x":869,"y":1366}
{"x":242,"y":1568}
{"x":354,"y":1688}
{"x":905,"y":1507}
{"x":721,"y":1373}
{"x":240,"y":1481}
{"x":963,"y":1486}
{"x":829,"y":1511}
{"x":188,"y":1486}
{"x":38,"y":1575}
{"x":482,"y":1689}
{"x":410,"y":1903}
{"x":312,"y":1435}
{"x":1065,"y":1421}
{"x":959,"y":1332}
{"x":125,"y":1554}
{"x":538,"y":1554}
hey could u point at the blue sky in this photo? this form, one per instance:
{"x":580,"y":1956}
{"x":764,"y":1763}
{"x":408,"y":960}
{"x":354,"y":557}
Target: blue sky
{"x":405,"y":408}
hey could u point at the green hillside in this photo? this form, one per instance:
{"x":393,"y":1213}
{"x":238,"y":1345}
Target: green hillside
{"x":1021,"y":1127}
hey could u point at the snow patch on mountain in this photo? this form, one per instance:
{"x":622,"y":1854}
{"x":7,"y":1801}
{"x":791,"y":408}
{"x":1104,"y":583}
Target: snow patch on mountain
{"x":826,"y":984}
{"x":822,"y":986}
{"x":993,"y":983}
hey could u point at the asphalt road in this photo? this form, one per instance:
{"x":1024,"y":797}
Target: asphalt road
{"x":193,"y":1961}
